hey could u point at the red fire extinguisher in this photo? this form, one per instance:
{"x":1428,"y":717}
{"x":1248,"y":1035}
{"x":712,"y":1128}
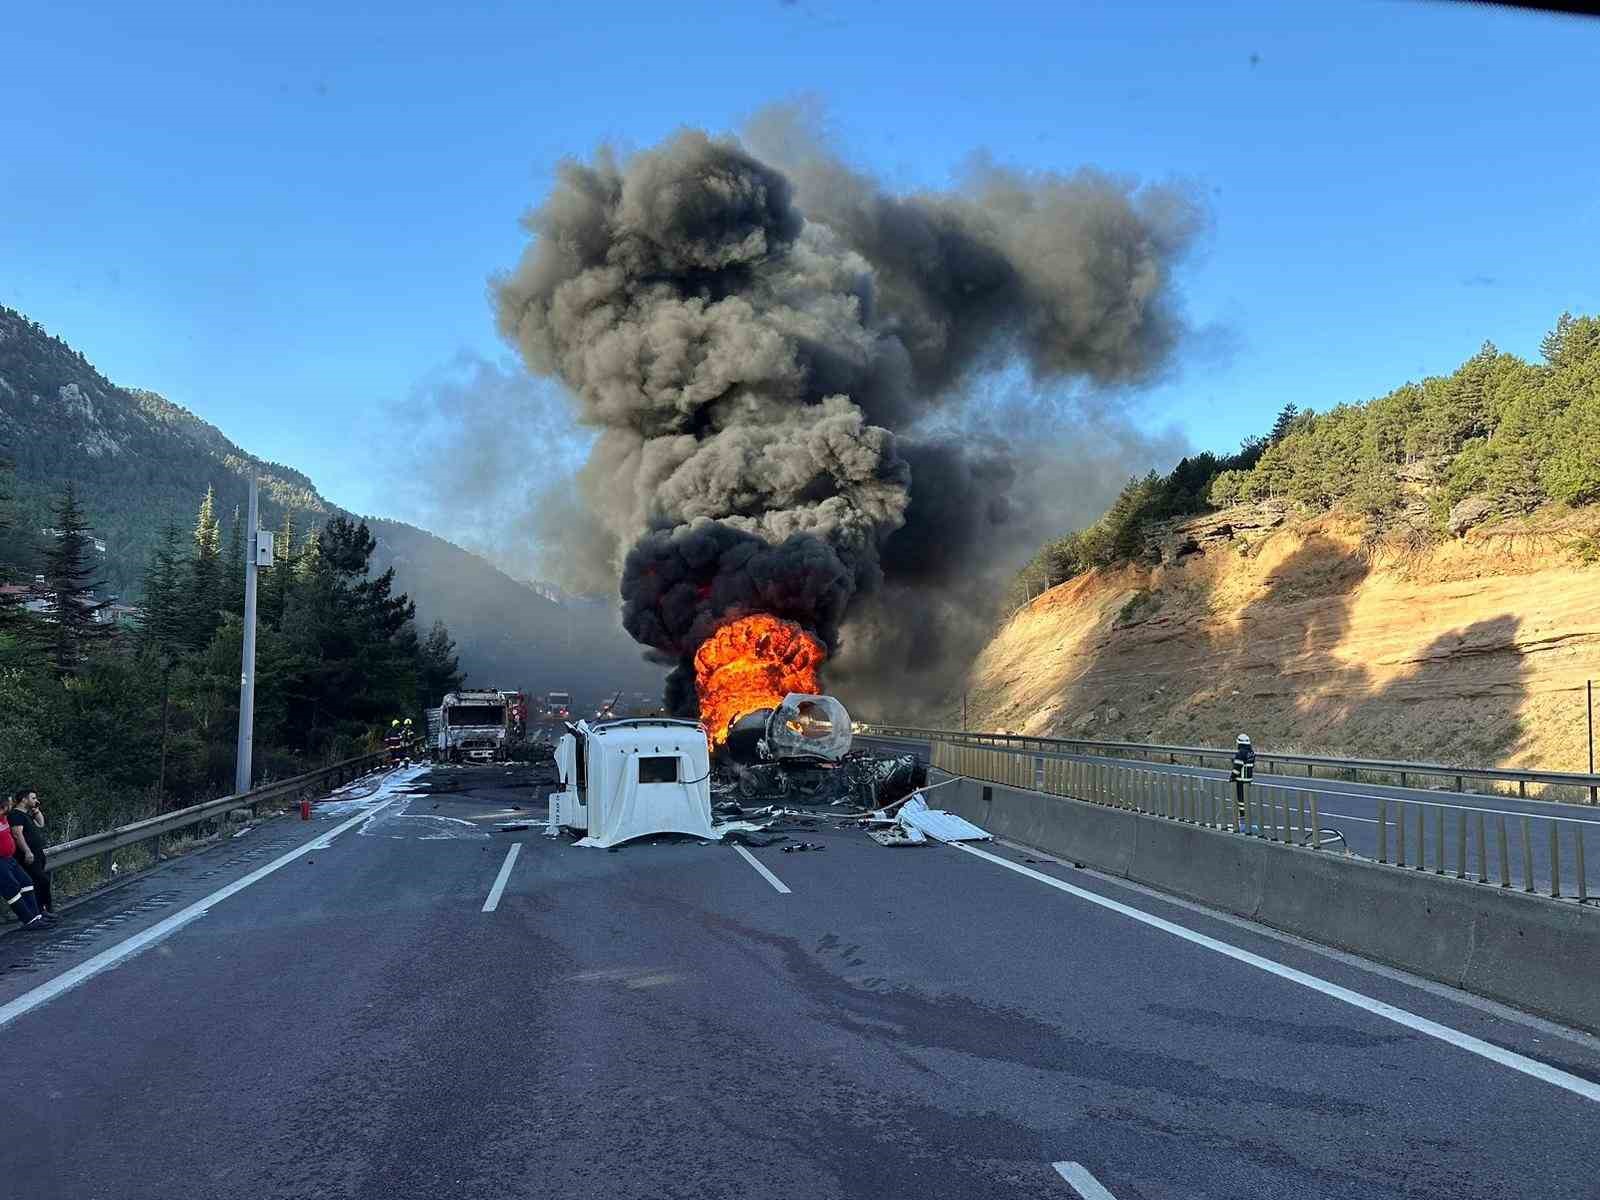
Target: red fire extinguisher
{"x":305,"y":809}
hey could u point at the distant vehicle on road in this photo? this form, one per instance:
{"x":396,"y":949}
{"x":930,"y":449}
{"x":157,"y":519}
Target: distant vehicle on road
{"x":558,"y":705}
{"x":472,"y":726}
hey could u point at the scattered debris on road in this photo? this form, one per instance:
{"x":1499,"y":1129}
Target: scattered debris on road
{"x":898,"y":835}
{"x":938,"y":824}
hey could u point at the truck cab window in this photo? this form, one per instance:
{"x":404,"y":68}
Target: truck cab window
{"x":658,"y":769}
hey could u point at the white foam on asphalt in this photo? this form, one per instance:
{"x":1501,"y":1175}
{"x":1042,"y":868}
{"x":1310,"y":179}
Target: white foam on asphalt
{"x":49,"y":990}
{"x":425,"y":827}
{"x":1564,"y":1080}
{"x":386,"y":787}
{"x":1085,"y":1184}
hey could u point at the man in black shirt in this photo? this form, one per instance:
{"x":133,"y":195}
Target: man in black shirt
{"x":27,"y":831}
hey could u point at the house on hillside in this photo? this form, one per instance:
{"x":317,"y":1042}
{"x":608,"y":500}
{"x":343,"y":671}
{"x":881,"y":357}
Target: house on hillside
{"x":99,"y":544}
{"x":32,"y":596}
{"x":123,"y":616}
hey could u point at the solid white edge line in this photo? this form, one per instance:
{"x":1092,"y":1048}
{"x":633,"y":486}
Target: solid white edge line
{"x":1432,"y":987}
{"x":1085,"y":1184}
{"x":765,"y":874}
{"x":52,"y":988}
{"x":1463,"y":1041}
{"x":493,"y":902}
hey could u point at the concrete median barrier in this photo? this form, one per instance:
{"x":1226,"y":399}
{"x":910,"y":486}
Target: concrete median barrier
{"x":1528,"y":951}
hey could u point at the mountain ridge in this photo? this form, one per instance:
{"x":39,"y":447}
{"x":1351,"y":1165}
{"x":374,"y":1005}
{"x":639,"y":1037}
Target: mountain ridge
{"x":141,"y":459}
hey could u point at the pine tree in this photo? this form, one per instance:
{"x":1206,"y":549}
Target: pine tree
{"x":309,"y":559}
{"x":163,"y":634}
{"x":164,"y":628}
{"x":1284,"y":425}
{"x":280,"y":582}
{"x":10,"y":604}
{"x":438,"y":667}
{"x":233,"y":567}
{"x":206,"y":594}
{"x":70,"y":582}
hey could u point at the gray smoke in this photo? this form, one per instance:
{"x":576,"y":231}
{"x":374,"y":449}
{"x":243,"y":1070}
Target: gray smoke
{"x":778,"y":357}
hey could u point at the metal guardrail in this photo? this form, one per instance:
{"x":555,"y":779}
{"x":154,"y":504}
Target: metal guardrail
{"x":1460,"y":844}
{"x":152,"y":829}
{"x":1202,"y":755}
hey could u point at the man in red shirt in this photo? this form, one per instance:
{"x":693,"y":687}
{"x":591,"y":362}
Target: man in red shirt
{"x":15,"y":886}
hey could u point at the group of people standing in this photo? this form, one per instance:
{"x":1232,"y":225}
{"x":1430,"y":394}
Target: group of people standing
{"x":24,"y":872}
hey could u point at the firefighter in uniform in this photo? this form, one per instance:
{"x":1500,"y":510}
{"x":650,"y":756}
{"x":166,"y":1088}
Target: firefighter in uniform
{"x":395,"y":742}
{"x":1244,"y":770}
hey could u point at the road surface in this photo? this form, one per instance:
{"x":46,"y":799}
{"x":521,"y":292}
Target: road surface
{"x":1352,"y":810}
{"x":398,"y":1000}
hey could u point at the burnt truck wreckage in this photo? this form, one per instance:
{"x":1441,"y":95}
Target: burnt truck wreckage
{"x":620,"y":780}
{"x":800,"y":752}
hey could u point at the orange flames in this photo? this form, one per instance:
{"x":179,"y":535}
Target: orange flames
{"x":753,"y":663}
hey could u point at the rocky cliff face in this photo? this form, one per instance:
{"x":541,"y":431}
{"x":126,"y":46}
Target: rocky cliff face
{"x":1307,"y":638}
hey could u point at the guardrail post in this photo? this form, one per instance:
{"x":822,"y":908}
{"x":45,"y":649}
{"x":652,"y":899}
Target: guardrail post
{"x":1302,"y":816}
{"x":1555,"y":859}
{"x":1583,"y":874}
{"x":1505,"y":854}
{"x":1461,"y":843}
{"x":1383,"y":828}
{"x":1316,"y":826}
{"x":1422,"y":837}
{"x":155,"y":850}
{"x":1483,"y":852}
{"x":1522,"y":789}
{"x":1527,"y":854}
{"x":1400,"y":833}
{"x":1459,"y":786}
{"x":1438,"y":843}
{"x":1402,"y":779}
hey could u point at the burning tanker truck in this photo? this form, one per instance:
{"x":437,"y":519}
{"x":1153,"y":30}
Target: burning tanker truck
{"x":790,"y":469}
{"x":773,"y":735}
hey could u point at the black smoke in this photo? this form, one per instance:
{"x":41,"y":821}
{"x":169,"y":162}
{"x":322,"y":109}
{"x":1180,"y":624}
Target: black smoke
{"x":777,"y":353}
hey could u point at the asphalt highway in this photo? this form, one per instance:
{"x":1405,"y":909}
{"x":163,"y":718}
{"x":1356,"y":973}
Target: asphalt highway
{"x":400,"y":1000}
{"x":1351,"y":809}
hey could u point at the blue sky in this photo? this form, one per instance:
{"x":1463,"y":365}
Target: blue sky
{"x":282,"y":215}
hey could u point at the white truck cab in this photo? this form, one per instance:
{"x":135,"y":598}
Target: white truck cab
{"x":631,"y":778}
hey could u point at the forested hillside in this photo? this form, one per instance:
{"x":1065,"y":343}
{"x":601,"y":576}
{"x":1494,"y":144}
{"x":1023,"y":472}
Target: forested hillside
{"x":140,"y":462}
{"x":1497,"y":439}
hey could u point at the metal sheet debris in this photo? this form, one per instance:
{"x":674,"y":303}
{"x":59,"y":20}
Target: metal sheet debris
{"x":938,"y":824}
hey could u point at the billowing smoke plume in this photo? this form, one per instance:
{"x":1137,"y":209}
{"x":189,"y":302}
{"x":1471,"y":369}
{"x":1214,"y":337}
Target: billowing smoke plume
{"x":775,"y":357}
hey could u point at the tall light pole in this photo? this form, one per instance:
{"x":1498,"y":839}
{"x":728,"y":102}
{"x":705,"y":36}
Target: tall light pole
{"x":247,"y":670}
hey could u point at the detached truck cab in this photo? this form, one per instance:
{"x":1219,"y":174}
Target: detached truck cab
{"x":473,"y":726}
{"x":626,"y":779}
